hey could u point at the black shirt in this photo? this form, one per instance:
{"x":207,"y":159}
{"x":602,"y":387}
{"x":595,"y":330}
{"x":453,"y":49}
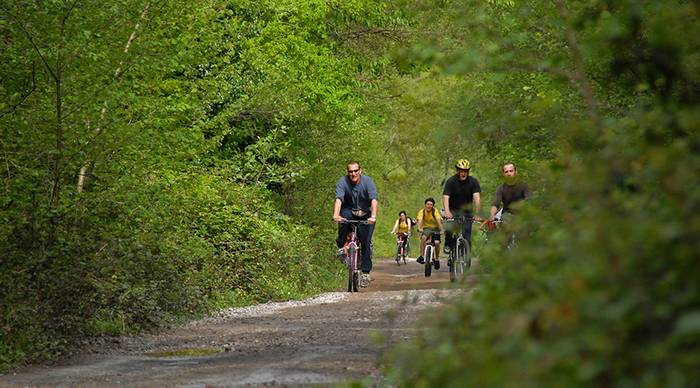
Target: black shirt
{"x":461,"y":194}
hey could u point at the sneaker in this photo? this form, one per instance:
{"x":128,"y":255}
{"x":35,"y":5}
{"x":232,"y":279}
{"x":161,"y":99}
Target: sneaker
{"x":436,"y":264}
{"x":446,"y":249}
{"x":420,"y":260}
{"x":364,"y":280}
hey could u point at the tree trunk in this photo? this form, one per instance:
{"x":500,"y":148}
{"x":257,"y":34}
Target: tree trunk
{"x":85,"y":169}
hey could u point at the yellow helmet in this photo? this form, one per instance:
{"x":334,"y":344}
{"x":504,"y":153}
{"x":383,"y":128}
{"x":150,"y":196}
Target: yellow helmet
{"x":462,"y":164}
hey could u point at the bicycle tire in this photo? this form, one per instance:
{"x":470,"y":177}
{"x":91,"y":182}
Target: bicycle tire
{"x":468,"y":255}
{"x":451,"y":264}
{"x":356,"y":281}
{"x":459,"y":259}
{"x":352,"y":251}
{"x":428,"y":260}
{"x":463,"y":257}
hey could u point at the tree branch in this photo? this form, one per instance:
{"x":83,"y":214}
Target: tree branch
{"x":579,"y":66}
{"x":24,"y":97}
{"x":84,"y":170}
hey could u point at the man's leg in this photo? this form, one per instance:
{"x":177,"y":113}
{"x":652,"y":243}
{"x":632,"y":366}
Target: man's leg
{"x":365,"y":235}
{"x":343,"y":229}
{"x":449,"y":240}
{"x":467,"y":230}
{"x":420,"y":258}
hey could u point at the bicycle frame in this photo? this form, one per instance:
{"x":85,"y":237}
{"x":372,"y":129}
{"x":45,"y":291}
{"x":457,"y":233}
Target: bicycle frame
{"x":401,"y":247}
{"x":352,"y":254}
{"x":510,"y":240}
{"x":460,"y":250}
{"x":428,"y":254}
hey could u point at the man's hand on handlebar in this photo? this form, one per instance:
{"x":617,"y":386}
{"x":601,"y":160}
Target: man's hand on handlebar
{"x":338,"y":218}
{"x":372,"y":220}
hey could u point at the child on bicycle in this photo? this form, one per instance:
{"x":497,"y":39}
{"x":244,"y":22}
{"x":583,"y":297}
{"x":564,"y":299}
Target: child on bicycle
{"x":402,"y":230}
{"x":429,"y":223}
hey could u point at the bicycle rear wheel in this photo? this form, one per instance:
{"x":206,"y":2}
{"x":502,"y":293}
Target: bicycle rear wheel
{"x":451,"y":263}
{"x":428,"y":260}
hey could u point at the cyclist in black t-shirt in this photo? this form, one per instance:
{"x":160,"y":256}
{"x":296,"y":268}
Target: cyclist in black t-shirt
{"x":461,"y":197}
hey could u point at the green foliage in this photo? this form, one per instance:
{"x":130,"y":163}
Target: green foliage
{"x":603,"y":290}
{"x":203,"y":138}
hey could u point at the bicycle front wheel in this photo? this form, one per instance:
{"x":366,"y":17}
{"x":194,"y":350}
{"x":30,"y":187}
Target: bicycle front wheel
{"x":463,"y":260}
{"x":451,"y":263}
{"x":428,"y":260}
{"x":352,"y":276}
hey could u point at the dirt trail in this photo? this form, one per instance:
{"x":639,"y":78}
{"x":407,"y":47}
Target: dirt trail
{"x":321,"y":341}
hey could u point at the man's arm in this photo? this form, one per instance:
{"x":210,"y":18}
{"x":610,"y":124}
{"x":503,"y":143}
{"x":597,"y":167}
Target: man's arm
{"x":476,"y":198}
{"x":446,"y":205}
{"x":373,"y":216}
{"x":498,"y":198}
{"x":336,"y":210}
{"x":494,"y":210}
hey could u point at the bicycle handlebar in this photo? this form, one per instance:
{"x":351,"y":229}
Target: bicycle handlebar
{"x":357,"y":222}
{"x":462,"y":219}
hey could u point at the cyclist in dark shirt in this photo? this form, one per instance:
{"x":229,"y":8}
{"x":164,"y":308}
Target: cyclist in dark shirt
{"x":356,"y":199}
{"x":510,"y":192}
{"x":461,"y":197}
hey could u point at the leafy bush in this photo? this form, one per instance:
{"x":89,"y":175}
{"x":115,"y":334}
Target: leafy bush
{"x":605,"y":290}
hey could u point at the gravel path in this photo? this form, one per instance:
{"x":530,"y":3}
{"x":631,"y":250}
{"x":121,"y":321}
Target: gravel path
{"x":323,"y":340}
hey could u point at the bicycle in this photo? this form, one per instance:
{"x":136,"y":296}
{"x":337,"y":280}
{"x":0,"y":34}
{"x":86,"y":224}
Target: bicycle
{"x":429,"y":253}
{"x":460,"y":250}
{"x":491,"y":226}
{"x":401,"y":248}
{"x":352,"y":253}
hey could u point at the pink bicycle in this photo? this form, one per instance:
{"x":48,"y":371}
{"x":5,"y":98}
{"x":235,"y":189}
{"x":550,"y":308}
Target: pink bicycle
{"x":352,"y":254}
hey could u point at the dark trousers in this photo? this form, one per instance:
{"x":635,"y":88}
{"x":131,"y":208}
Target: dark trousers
{"x":364,"y":234}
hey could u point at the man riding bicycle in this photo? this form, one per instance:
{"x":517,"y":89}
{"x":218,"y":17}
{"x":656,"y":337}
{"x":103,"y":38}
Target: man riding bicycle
{"x":429,"y":224}
{"x":508,"y":193}
{"x":356,"y":199}
{"x":461,"y":197}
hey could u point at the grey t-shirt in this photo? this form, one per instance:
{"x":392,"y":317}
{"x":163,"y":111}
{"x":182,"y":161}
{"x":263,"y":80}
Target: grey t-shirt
{"x":356,"y":197}
{"x":507,"y":194}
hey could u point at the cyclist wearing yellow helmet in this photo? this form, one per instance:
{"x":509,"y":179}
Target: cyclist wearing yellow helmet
{"x":461,"y":197}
